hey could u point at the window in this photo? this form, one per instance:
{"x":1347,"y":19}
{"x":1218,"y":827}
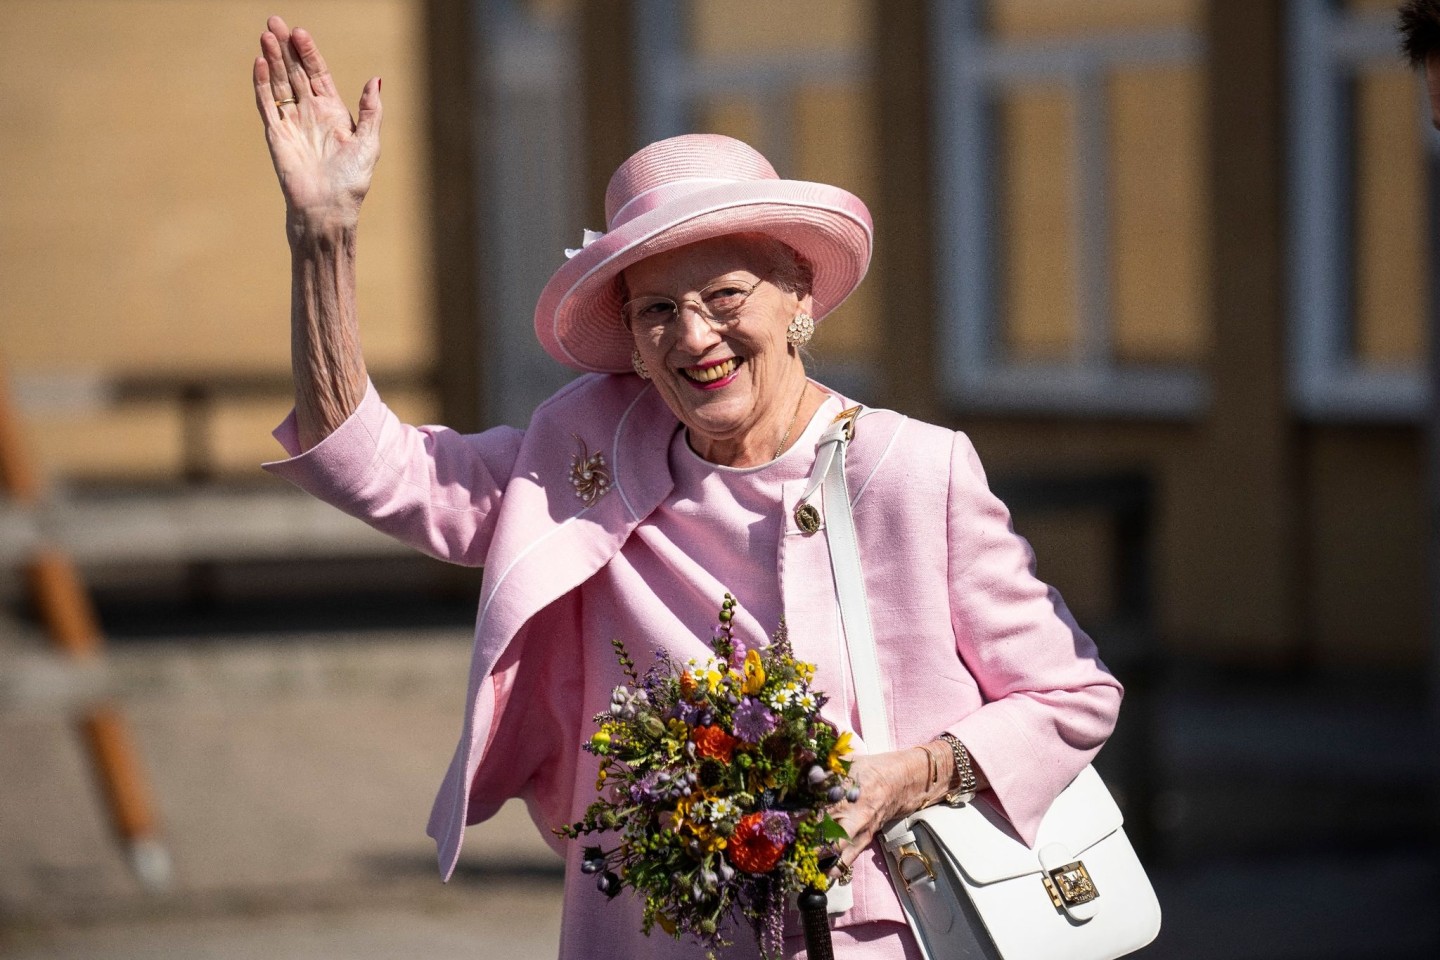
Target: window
{"x":1072,"y":230}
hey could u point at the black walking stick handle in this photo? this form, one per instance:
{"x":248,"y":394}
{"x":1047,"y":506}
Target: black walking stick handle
{"x":816,"y":922}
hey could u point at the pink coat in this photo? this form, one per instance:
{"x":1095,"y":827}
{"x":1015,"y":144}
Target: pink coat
{"x":969,"y":640}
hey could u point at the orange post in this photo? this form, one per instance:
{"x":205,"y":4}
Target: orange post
{"x":65,"y":610}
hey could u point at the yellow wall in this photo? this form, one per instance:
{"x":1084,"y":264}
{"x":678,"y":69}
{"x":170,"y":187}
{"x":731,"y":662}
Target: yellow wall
{"x":1048,"y":18}
{"x":1389,"y":214}
{"x":142,"y":230}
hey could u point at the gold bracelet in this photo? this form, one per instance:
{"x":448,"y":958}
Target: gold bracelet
{"x":963,"y":782}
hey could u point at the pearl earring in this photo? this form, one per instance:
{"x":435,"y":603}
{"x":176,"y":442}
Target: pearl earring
{"x":800,"y":330}
{"x":639,"y":365}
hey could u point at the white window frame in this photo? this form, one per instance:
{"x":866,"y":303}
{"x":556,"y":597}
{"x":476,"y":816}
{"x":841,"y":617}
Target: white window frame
{"x":971,"y":69}
{"x":1328,"y":46}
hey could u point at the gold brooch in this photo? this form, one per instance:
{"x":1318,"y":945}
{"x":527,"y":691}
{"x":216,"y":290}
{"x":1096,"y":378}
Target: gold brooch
{"x":588,"y":474}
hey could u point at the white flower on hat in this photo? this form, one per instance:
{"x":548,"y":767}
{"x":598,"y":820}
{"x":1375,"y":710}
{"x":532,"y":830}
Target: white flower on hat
{"x":589,"y":237}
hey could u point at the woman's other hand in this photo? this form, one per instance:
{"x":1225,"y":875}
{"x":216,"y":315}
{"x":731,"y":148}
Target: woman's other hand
{"x":323,"y":157}
{"x":894,"y":785}
{"x":891,"y":785}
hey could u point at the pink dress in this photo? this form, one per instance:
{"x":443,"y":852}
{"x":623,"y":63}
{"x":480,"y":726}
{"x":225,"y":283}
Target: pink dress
{"x":718,"y":530}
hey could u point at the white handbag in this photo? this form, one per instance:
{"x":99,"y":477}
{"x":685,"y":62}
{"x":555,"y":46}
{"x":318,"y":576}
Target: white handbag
{"x":970,"y":887}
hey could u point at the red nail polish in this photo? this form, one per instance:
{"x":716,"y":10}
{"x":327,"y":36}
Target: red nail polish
{"x":379,"y":82}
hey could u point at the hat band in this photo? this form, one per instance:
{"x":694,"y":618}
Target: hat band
{"x":658,"y":196}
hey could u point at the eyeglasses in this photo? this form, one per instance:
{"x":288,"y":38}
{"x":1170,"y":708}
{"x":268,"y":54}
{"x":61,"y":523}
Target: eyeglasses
{"x":721,"y":304}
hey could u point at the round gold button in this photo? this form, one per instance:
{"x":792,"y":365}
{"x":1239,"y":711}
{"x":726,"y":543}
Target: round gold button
{"x":807,"y":518}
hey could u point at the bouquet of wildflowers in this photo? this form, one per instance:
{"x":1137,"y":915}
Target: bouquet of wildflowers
{"x":715,"y":778}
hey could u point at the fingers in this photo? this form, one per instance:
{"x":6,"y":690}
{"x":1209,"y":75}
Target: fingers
{"x":264,"y":93}
{"x":858,"y":835}
{"x":279,"y":77}
{"x":321,"y":83}
{"x":851,"y":849}
{"x":368,"y":125}
{"x":299,"y":81}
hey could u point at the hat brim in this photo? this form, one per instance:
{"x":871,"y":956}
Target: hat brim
{"x":577,"y":318}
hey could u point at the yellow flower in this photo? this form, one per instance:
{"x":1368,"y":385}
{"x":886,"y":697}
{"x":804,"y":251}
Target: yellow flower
{"x":666,"y":923}
{"x":808,"y":873}
{"x":682,"y":814}
{"x":709,"y":840}
{"x":838,"y":753}
{"x":754,"y":673}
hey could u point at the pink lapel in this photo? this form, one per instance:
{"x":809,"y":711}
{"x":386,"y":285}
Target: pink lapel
{"x":548,"y":541}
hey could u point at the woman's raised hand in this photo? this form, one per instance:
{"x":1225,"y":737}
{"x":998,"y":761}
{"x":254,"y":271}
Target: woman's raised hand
{"x":322,"y":156}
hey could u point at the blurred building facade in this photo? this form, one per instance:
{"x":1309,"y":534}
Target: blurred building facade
{"x":1180,"y":238}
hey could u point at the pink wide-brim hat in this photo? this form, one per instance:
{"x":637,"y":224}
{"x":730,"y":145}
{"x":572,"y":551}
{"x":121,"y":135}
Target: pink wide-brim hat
{"x":680,"y":191}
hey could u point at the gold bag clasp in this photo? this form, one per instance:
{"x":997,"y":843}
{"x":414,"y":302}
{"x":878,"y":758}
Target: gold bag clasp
{"x":1069,"y":885}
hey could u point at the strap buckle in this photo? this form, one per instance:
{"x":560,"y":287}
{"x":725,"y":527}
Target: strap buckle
{"x":848,"y":417}
{"x":911,"y":851}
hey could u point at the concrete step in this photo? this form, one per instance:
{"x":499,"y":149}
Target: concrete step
{"x":275,"y":763}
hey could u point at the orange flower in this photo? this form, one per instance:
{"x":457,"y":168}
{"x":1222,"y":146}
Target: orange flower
{"x":713,"y":743}
{"x":750,"y":849}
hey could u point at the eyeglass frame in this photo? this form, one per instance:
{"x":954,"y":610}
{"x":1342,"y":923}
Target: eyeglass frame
{"x":700,"y":307}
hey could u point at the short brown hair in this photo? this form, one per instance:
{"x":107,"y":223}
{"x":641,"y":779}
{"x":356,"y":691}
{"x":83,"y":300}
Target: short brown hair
{"x":1419,"y":25}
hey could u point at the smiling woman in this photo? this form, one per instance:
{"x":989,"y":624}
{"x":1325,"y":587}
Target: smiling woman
{"x":717,"y":350}
{"x":667,"y":478}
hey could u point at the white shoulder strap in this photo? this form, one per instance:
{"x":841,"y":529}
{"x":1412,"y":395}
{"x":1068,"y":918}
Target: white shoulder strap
{"x":828,"y":475}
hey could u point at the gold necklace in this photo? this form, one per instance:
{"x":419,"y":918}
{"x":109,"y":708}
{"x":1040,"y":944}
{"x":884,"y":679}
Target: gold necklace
{"x":793,"y":417}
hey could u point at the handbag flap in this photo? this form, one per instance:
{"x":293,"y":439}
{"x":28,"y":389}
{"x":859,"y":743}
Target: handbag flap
{"x":983,"y":844}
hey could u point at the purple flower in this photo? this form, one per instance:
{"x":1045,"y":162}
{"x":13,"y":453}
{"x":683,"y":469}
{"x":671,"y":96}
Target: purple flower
{"x":753,"y":720}
{"x":693,"y":714}
{"x":647,"y":789}
{"x":737,"y":652}
{"x":777,"y":826}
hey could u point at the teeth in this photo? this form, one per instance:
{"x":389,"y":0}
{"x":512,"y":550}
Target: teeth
{"x":711,"y":374}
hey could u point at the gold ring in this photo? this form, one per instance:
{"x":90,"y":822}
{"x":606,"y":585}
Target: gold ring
{"x":281,"y":103}
{"x":846,"y":873}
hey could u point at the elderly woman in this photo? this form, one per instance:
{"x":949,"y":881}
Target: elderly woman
{"x":689,"y":314}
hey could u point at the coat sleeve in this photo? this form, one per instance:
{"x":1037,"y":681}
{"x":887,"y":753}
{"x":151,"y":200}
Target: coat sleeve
{"x":429,"y":487}
{"x":1049,"y":701}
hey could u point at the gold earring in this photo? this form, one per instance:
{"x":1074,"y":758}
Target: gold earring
{"x":800,"y":330}
{"x":639,"y":365}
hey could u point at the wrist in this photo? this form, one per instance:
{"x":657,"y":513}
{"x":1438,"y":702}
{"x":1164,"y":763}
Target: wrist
{"x":963,"y":783}
{"x":309,"y":227}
